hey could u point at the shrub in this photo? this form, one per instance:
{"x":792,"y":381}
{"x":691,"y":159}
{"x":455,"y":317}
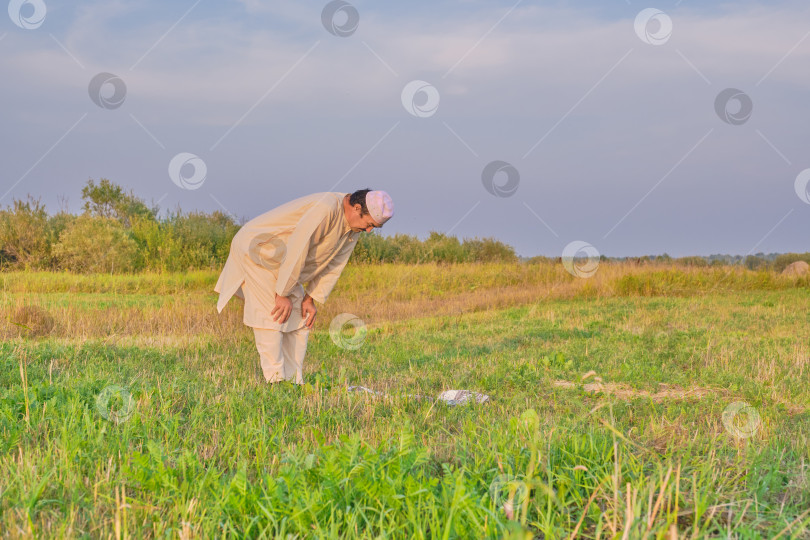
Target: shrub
{"x":443,"y":248}
{"x":24,"y":235}
{"x":154,"y":243}
{"x":438,"y":247}
{"x":489,"y":250}
{"x":373,"y":248}
{"x":410,"y":249}
{"x":95,"y":244}
{"x":199,"y":240}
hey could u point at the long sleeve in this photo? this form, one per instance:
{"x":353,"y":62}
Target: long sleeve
{"x":298,"y":246}
{"x":321,"y":285}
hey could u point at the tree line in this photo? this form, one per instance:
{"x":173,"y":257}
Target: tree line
{"x":118,"y":232}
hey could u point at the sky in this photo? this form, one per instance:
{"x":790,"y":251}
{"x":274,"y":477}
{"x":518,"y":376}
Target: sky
{"x":676,"y":127}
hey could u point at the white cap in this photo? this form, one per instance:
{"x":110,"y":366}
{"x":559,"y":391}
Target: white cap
{"x":380,"y":206}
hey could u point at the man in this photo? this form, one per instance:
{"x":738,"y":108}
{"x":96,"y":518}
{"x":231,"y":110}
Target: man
{"x":305,"y":241}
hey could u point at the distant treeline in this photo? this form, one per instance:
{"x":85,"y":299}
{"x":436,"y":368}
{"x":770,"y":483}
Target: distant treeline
{"x":119,"y":232}
{"x":773,"y":261}
{"x":759,"y":261}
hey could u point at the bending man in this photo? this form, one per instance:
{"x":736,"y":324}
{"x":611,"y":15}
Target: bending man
{"x":306,"y":241}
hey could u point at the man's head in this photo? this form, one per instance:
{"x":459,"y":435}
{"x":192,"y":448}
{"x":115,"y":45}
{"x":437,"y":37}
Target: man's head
{"x":366,"y":209}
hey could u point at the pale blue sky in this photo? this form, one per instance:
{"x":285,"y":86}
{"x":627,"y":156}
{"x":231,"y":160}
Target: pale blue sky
{"x":616,"y":140}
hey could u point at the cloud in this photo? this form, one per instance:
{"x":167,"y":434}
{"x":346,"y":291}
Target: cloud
{"x":228,"y":63}
{"x":615,"y":114}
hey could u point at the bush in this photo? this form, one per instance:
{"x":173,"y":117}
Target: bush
{"x":438,"y":247}
{"x":154,"y":242}
{"x":57,"y":224}
{"x":95,"y":244}
{"x":489,"y":250}
{"x":373,"y":248}
{"x":25,"y":239}
{"x":410,"y":249}
{"x":443,"y":248}
{"x":199,"y":240}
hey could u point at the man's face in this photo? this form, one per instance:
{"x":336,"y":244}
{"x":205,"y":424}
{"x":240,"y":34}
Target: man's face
{"x":360,"y":223}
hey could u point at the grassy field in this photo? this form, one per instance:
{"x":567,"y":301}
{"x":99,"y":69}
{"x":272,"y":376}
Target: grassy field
{"x":130,"y":409}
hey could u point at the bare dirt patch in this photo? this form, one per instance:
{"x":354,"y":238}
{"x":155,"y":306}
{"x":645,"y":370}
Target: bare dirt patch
{"x":623,"y":391}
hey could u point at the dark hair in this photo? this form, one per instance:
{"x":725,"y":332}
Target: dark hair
{"x":359,"y":197}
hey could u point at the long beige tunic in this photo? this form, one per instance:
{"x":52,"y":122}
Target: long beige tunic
{"x":305,"y":241}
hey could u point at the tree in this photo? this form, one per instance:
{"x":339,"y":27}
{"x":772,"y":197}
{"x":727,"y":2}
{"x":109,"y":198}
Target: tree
{"x":108,"y":200}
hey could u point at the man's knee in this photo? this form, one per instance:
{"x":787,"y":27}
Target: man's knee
{"x":267,"y":339}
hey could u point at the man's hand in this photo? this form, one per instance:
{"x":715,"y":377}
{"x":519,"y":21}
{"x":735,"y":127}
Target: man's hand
{"x":308,"y":310}
{"x":282,"y":310}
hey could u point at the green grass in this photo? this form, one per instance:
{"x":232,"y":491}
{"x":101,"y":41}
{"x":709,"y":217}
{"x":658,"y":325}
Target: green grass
{"x":209,"y":450}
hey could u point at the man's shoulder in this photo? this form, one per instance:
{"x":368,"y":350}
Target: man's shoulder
{"x":326,"y":199}
{"x":329,"y":198}
{"x":328,"y":202}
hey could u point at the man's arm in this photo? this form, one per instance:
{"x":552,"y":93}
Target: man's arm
{"x":321,"y":285}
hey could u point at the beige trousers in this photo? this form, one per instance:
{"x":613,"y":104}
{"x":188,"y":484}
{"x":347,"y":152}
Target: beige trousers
{"x":281,"y":354}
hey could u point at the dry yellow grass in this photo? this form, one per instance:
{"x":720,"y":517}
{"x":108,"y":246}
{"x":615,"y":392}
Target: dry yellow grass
{"x":376,"y":294}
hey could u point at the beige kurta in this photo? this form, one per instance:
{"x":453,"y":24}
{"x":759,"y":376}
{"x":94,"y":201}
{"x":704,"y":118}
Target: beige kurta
{"x":305,"y":241}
